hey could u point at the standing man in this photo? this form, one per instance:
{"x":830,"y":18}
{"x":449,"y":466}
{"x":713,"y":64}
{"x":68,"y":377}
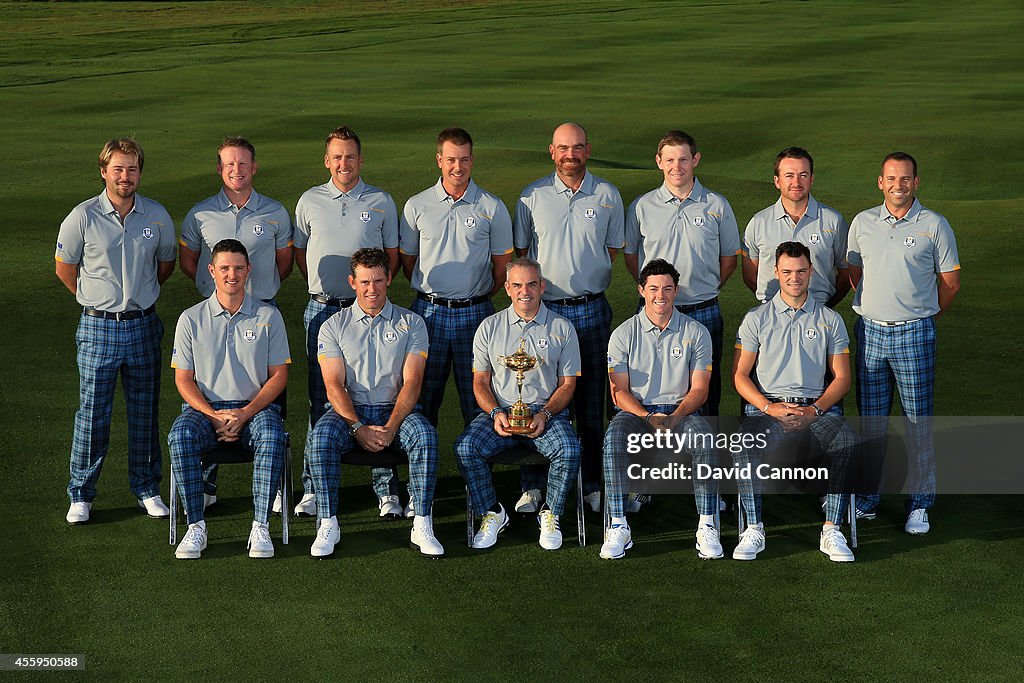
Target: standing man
{"x":456,"y":239}
{"x":571,"y":222}
{"x":695,"y":230}
{"x":113,"y":253}
{"x":797,"y":217}
{"x":792,"y":369}
{"x":230,"y":362}
{"x":659,"y":366}
{"x":332,"y":222}
{"x":238,"y":212}
{"x":906,"y":270}
{"x":547,"y":389}
{"x":372,"y":355}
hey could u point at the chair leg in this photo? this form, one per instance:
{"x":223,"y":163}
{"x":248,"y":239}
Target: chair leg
{"x":741,"y":517}
{"x":606,"y":514}
{"x":853,"y":520}
{"x":286,"y":488}
{"x":718,"y":512}
{"x":174,"y":510}
{"x":469,"y":520}
{"x":581,"y":527}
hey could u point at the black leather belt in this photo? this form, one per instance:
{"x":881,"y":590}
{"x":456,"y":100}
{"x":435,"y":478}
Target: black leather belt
{"x":122,"y":315}
{"x":453,"y":303}
{"x":324,"y":299}
{"x":576,"y":300}
{"x":796,"y":400}
{"x":698,"y":307}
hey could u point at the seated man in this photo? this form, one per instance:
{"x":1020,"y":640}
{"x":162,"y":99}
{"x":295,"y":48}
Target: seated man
{"x":547,"y":389}
{"x":372,"y":356}
{"x":785,"y":347}
{"x":659,"y":365}
{"x":230,"y":362}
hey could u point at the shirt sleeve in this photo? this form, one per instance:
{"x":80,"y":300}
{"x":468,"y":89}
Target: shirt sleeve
{"x":389,"y":228}
{"x":300,"y":233}
{"x":747,"y":337}
{"x":615,"y":238}
{"x":841,"y":243}
{"x":750,"y":248}
{"x":181,"y":352}
{"x":167,"y":247}
{"x":946,"y":256}
{"x":701,"y":356}
{"x":632,"y":228}
{"x":481,"y":353}
{"x":419,"y":341}
{"x":728,"y":232}
{"x":522,"y":227}
{"x":190,"y":235}
{"x":283,"y":238}
{"x":501,"y":230}
{"x":853,"y":257}
{"x":838,"y":338}
{"x":618,"y":348}
{"x":408,"y":236}
{"x":71,"y":238}
{"x":278,"y":353}
{"x":329,"y":340}
{"x":569,"y":360}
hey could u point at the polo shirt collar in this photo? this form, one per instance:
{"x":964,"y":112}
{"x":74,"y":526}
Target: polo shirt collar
{"x":813,"y":209}
{"x":387,"y":313}
{"x":543,"y":314}
{"x":108,"y":207}
{"x":675,"y":323}
{"x":216,"y":309}
{"x":910,"y":217}
{"x":697,"y":193}
{"x":252,"y":204}
{"x":470,"y":196}
{"x":780,"y":306}
{"x":586,"y":187}
{"x":337,"y":193}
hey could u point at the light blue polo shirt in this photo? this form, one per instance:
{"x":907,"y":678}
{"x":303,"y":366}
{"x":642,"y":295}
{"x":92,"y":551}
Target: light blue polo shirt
{"x":691,"y":234}
{"x":373,"y":349}
{"x":821,"y":229}
{"x":117,"y":265}
{"x":901,"y":259}
{"x":262,"y":225}
{"x":454,"y":240}
{"x":331,"y":225}
{"x":549,"y":337}
{"x":570,"y":234}
{"x":659,"y":362}
{"x":792,"y":345}
{"x":230,"y":354}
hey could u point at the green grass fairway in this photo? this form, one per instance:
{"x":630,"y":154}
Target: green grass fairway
{"x":850,"y":81}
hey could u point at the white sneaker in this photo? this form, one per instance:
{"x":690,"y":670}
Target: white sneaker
{"x":751,"y":543}
{"x":260,"y":544}
{"x":634,"y":501}
{"x":154,"y":507}
{"x":865,"y":515}
{"x":917,"y":522}
{"x":550,"y":534}
{"x":528,"y":502}
{"x":390,"y":507}
{"x":410,"y":509}
{"x":493,"y":524}
{"x":709,"y":545}
{"x":833,"y":544}
{"x":593,"y":500}
{"x":328,"y":534}
{"x":278,"y":502}
{"x":307,"y":506}
{"x":422,"y":537}
{"x":208,"y":500}
{"x":78,"y":513}
{"x":617,"y":540}
{"x":194,"y":543}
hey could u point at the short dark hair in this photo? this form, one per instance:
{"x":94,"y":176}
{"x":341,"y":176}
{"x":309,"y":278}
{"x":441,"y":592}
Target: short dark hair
{"x":456,"y":136}
{"x":230,"y":246}
{"x":524,"y":262}
{"x":370,"y":257}
{"x":901,"y":156}
{"x":793,"y":153}
{"x":236,"y":141}
{"x":793,"y":250}
{"x":658,"y":266}
{"x":677,"y":138}
{"x":343,"y":133}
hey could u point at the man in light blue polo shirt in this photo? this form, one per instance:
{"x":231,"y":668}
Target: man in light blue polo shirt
{"x":906,"y":270}
{"x":659,"y":366}
{"x":456,"y":239}
{"x":695,"y":230}
{"x":792,"y":369}
{"x":113,"y":253}
{"x":333,"y":221}
{"x":571,"y":222}
{"x":372,"y":355}
{"x":237,"y":212}
{"x":797,"y":216}
{"x":230,"y":362}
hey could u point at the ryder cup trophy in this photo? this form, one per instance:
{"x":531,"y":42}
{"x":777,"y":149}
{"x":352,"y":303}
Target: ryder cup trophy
{"x":519,"y":414}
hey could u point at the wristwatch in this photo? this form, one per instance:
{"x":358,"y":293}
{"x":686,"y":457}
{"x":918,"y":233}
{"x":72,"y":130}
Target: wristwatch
{"x":354,"y":427}
{"x":546,"y":413}
{"x":817,"y":411}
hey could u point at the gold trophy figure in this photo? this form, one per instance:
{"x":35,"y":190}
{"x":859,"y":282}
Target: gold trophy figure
{"x":520,"y":417}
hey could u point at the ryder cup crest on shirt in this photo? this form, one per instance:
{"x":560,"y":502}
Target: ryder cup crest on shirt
{"x":814,"y":239}
{"x":364,"y":216}
{"x":677,"y":352}
{"x":147,"y":232}
{"x":471,"y":222}
{"x":591,"y":214}
{"x":910,"y":241}
{"x":390,"y":336}
{"x":542,"y":344}
{"x":257,"y":230}
{"x":811,"y":334}
{"x":250,"y":335}
{"x":698,"y":221}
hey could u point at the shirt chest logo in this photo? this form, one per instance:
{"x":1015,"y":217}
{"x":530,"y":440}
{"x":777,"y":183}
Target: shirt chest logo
{"x":147,"y":232}
{"x":814,"y":239}
{"x":542,"y":344}
{"x":676,"y":352}
{"x":257,"y":230}
{"x":250,"y":335}
{"x":811,"y":334}
{"x":591,"y":214}
{"x":909,"y":242}
{"x":390,"y":336}
{"x":365,"y":216}
{"x":698,"y":221}
{"x":471,"y":222}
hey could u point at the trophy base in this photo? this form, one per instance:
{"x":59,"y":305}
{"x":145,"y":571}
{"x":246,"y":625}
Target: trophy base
{"x":520,"y":430}
{"x":520,"y":418}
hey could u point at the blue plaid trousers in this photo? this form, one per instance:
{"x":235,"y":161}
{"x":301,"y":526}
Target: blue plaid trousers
{"x":833,"y":435}
{"x":900,"y":356}
{"x":192,"y":435}
{"x":558,"y":444}
{"x":107,"y":348}
{"x":616,"y":460}
{"x":593,"y":323}
{"x":331,"y":437}
{"x":451,"y":332}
